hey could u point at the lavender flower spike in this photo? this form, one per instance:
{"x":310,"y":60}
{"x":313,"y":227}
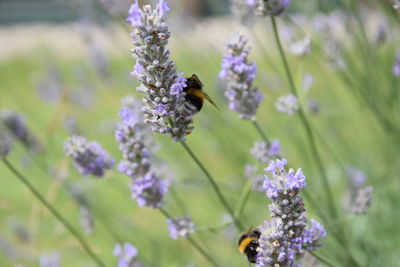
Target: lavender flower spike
{"x":127,"y":254}
{"x":5,"y":145}
{"x":131,"y":135}
{"x":89,"y":157}
{"x":363,"y":200}
{"x":285,"y":236}
{"x":287,"y":104}
{"x":239,"y":75}
{"x":157,"y":73}
{"x":50,"y":260}
{"x":16,"y":126}
{"x":263,"y":152}
{"x":149,"y":191}
{"x":180,"y":227}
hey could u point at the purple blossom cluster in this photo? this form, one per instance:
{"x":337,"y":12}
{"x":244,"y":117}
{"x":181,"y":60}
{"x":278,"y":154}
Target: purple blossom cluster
{"x":362,"y":201}
{"x":132,"y":135}
{"x":286,"y":236}
{"x":396,"y":65}
{"x":360,"y":195}
{"x":5,"y":144}
{"x":239,"y":75}
{"x":180,"y":227}
{"x":149,"y":190}
{"x":127,"y":255}
{"x":157,"y":73}
{"x":287,"y":104}
{"x":269,"y":7}
{"x":50,"y":260}
{"x":264,"y":152}
{"x":16,"y":126}
{"x":89,"y":158}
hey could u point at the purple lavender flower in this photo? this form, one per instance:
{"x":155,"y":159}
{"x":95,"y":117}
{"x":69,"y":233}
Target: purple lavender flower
{"x":279,"y":182}
{"x":5,"y":144}
{"x":50,"y":260}
{"x":180,"y":227}
{"x":16,"y":126}
{"x":149,"y":191}
{"x":285,"y":237}
{"x":396,"y":65}
{"x":275,"y":248}
{"x":263,"y":152}
{"x":269,"y":7}
{"x":89,"y":157}
{"x":239,"y":75}
{"x":132,"y":135}
{"x":287,"y":104}
{"x":127,"y":254}
{"x":312,"y":236}
{"x":157,"y":73}
{"x":362,"y":201}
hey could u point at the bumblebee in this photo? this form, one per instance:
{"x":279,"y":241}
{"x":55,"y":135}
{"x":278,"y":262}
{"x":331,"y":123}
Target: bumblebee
{"x":248,"y":244}
{"x":195,"y":95}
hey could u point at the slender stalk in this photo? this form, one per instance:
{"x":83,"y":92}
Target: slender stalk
{"x":244,"y":198}
{"x":192,"y":242}
{"x":202,"y":251}
{"x":311,"y":138}
{"x":215,"y":187}
{"x":67,"y":225}
{"x":181,"y":205}
{"x":313,"y":145}
{"x":261,"y":132}
{"x":321,"y":259}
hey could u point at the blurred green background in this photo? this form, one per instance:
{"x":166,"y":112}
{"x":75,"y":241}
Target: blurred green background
{"x":350,"y":130}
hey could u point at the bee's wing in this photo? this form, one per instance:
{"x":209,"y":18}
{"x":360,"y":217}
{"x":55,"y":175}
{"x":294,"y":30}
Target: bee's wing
{"x":208,"y":98}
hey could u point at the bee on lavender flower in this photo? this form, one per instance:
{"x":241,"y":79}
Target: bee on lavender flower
{"x":195,"y":96}
{"x":248,"y":244}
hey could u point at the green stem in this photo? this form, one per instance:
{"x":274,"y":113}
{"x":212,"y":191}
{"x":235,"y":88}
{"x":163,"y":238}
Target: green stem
{"x":317,"y":158}
{"x":306,"y":124}
{"x":69,"y":227}
{"x":215,"y":187}
{"x":261,"y":132}
{"x":192,"y":242}
{"x":202,"y":251}
{"x":321,"y":259}
{"x":244,"y":198}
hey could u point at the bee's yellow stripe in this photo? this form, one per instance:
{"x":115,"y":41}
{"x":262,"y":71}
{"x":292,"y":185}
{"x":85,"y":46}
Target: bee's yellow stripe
{"x":197,"y":93}
{"x":243,"y":245}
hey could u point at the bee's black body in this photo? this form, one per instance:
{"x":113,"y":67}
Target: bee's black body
{"x":194,"y":94}
{"x":248,"y":244}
